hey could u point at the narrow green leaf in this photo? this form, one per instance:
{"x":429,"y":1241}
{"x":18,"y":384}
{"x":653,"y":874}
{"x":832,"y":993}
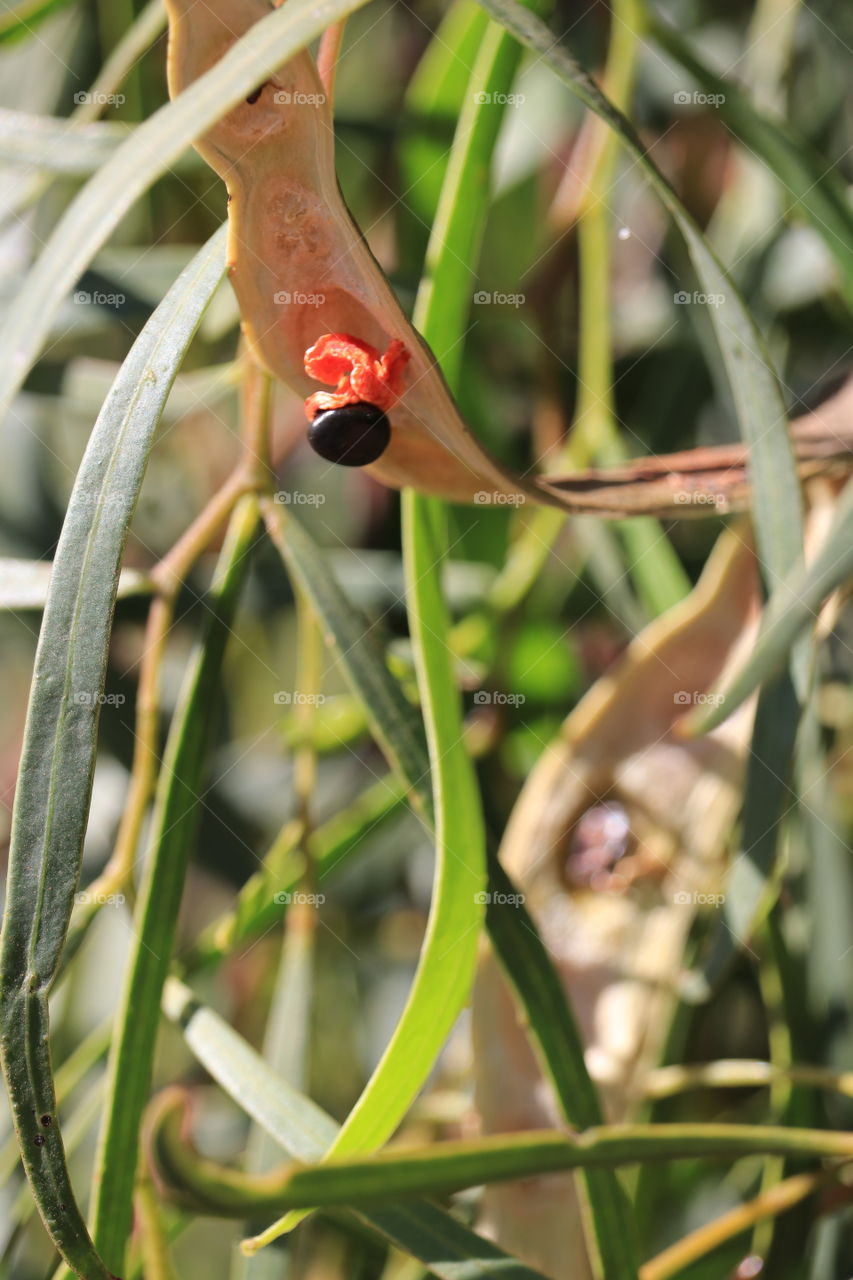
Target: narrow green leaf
{"x":449,"y":1249}
{"x":792,"y":607}
{"x":68,"y":1076}
{"x":814,"y":186}
{"x":21,"y":20}
{"x":452,"y":1166}
{"x":752,"y":881}
{"x":58,"y":758}
{"x":24,"y":584}
{"x":445,"y":972}
{"x":395,"y":721}
{"x":397,"y":726}
{"x":441,"y":313}
{"x":152,"y":148}
{"x":755,"y":388}
{"x":536,"y":983}
{"x":433,"y":104}
{"x":54,"y":145}
{"x":444,"y":295}
{"x":177,"y":812}
{"x":264,"y":897}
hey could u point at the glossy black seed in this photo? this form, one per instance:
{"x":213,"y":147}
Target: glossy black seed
{"x":47,"y":1121}
{"x":353,"y":436}
{"x":39,"y":1139}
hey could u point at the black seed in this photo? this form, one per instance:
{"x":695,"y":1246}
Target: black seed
{"x":47,"y":1121}
{"x":253,"y":97}
{"x":353,"y":436}
{"x":39,"y":1139}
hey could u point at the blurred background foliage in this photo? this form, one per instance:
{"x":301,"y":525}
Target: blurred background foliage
{"x":519,"y":393}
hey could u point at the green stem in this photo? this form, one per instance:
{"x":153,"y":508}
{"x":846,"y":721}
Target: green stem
{"x":453,"y":1166}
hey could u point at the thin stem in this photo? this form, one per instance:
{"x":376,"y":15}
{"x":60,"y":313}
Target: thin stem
{"x":253,"y":473}
{"x":769,"y":1204}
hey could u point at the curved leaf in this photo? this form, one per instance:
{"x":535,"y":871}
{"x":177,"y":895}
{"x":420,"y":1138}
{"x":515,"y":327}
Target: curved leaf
{"x":450,"y":1250}
{"x":177,"y":812}
{"x":792,"y":607}
{"x":58,"y":758}
{"x":452,"y":1166}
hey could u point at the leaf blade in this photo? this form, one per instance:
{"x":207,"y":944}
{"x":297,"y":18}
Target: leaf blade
{"x":61,"y":733}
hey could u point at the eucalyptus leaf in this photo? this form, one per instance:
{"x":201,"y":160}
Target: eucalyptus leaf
{"x":55,"y":778}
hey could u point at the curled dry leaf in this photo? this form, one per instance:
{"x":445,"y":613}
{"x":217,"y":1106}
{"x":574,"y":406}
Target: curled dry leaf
{"x":298,"y":264}
{"x":714,"y":478}
{"x":620,"y":831}
{"x":619,"y":836}
{"x":301,"y":269}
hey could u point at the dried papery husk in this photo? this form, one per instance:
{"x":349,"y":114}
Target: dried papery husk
{"x":618,"y":942}
{"x":618,"y":937}
{"x":293,"y":237}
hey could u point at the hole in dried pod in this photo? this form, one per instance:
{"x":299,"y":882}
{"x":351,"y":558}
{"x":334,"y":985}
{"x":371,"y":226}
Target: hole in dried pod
{"x":600,"y":838}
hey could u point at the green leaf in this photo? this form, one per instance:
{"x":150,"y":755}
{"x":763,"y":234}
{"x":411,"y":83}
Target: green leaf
{"x":68,"y":1076}
{"x":761,"y":412}
{"x":752,"y":881}
{"x":58,"y":758}
{"x":21,"y":20}
{"x":814,"y":186}
{"x":450,"y":1250}
{"x":441,"y":313}
{"x":54,"y":144}
{"x":434,"y":100}
{"x":153,"y":147}
{"x":395,"y":722}
{"x":452,"y":1166}
{"x":24,"y":584}
{"x":263,"y":899}
{"x":174,"y":825}
{"x":445,"y":972}
{"x":792,"y":607}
